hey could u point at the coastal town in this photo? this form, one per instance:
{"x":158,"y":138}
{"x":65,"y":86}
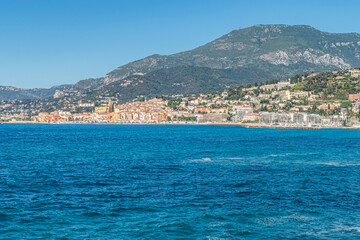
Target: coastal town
{"x":327,"y":99}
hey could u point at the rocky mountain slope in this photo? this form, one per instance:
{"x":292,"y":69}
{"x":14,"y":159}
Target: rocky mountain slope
{"x":289,"y":49}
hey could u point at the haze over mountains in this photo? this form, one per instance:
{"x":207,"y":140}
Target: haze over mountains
{"x":249,"y":55}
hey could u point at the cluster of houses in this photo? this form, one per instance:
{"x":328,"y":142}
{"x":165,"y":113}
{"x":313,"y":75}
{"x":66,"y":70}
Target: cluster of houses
{"x":278,"y":103}
{"x":203,"y":109}
{"x":150,"y":111}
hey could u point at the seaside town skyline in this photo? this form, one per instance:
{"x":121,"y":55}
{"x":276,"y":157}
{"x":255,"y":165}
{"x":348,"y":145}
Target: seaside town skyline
{"x":276,"y":103}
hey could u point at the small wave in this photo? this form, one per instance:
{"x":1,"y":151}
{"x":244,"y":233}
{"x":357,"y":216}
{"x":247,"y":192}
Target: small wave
{"x":200,"y":160}
{"x":182,"y":228}
{"x":287,"y":154}
{"x":267,"y":221}
{"x":297,"y":218}
{"x":133,"y":209}
{"x":284,"y":219}
{"x":92,"y":214}
{"x":351,"y":229}
{"x":214,"y":217}
{"x":4,"y":217}
{"x":346,"y":229}
{"x":337,"y":164}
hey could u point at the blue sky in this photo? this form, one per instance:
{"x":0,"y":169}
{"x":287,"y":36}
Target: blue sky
{"x":51,"y":42}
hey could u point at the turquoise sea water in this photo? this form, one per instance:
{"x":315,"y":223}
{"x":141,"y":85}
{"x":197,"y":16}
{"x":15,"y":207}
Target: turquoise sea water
{"x":178,"y":182}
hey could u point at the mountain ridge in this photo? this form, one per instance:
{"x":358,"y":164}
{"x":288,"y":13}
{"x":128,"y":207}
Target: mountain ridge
{"x":280,"y":50}
{"x":14,"y":93}
{"x":243,"y":50}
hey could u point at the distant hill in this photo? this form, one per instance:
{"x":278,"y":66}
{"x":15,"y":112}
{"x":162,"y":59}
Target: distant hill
{"x":12,"y":93}
{"x":257,"y":53}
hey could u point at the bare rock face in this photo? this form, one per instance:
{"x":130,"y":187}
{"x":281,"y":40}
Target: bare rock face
{"x":309,"y":55}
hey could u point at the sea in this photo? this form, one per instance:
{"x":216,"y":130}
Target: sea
{"x":178,"y":182}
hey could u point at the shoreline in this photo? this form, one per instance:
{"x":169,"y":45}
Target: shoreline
{"x":246,"y":125}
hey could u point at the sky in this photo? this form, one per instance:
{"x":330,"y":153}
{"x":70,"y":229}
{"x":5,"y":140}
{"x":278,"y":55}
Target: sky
{"x":50,"y":42}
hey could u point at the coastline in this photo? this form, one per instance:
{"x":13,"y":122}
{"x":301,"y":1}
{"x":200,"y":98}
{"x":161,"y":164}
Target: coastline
{"x":246,"y":125}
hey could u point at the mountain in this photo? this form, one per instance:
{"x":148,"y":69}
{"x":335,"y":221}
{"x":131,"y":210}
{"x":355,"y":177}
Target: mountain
{"x":178,"y":80}
{"x":256,"y":53}
{"x":87,"y":84}
{"x":13,"y":93}
{"x":284,"y":49}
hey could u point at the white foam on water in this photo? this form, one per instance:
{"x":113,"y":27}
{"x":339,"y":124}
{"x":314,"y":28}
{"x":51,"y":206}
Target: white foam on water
{"x":334,"y":164}
{"x":284,"y":219}
{"x":287,"y":154}
{"x":337,"y":164}
{"x":213,"y":238}
{"x":342,"y":228}
{"x":298,"y":217}
{"x":200,"y":160}
{"x":266,"y":156}
{"x":356,"y":229}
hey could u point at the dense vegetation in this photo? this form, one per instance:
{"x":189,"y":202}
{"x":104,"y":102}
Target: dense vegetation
{"x":330,"y":85}
{"x":240,"y":91}
{"x":179,"y":80}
